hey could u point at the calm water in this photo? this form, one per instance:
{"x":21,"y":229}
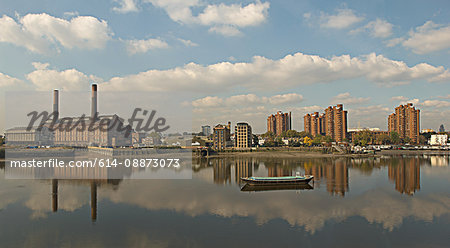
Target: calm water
{"x":383,"y":202}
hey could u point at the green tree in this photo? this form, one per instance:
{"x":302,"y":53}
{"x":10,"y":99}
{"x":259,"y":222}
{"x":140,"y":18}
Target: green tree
{"x":363,"y":138}
{"x":383,"y":139}
{"x":327,"y":139}
{"x":303,"y":134}
{"x":423,"y":140}
{"x":268,"y":134}
{"x":395,"y":138}
{"x":317,"y":140}
{"x":407,"y":140}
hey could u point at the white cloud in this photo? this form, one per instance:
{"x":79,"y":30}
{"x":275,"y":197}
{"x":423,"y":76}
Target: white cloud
{"x":379,"y":28}
{"x":246,"y":100}
{"x":343,"y":19}
{"x":286,"y":98}
{"x":222,"y":19}
{"x":251,"y":15}
{"x":399,"y":98}
{"x":126,"y":6}
{"x":38,"y":32}
{"x":6,"y":80}
{"x":435,"y":103}
{"x":346,"y":98}
{"x":264,"y":74}
{"x":40,"y":66}
{"x":188,"y":43}
{"x":225,"y":30}
{"x":143,"y":46}
{"x":427,"y":38}
{"x":394,"y":42}
{"x":67,"y":80}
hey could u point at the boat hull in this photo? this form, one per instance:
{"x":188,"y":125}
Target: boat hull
{"x":277,"y":181}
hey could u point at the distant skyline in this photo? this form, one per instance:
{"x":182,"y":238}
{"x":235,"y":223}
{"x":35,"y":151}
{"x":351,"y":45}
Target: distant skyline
{"x":238,"y":60}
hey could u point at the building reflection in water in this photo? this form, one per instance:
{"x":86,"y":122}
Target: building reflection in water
{"x":94,"y":184}
{"x":243,"y":168}
{"x":335,"y":172}
{"x":221,"y":171}
{"x":405,"y":174}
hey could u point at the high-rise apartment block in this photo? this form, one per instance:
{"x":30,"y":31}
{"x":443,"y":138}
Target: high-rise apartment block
{"x":406,"y":122}
{"x":206,"y":130}
{"x":314,"y":123}
{"x":279,"y":122}
{"x":222,"y":136}
{"x":243,"y":135}
{"x":332,"y":123}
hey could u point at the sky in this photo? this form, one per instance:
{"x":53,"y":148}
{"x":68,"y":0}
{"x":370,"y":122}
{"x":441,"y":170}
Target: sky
{"x":237,"y":60}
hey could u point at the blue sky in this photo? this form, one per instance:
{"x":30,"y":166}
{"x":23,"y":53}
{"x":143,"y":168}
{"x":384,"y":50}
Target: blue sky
{"x":369,"y":55}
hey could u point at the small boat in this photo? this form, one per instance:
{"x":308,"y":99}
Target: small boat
{"x":277,"y":180}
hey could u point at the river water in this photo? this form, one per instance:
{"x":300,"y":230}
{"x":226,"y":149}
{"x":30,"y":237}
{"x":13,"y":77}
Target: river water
{"x":390,"y":201}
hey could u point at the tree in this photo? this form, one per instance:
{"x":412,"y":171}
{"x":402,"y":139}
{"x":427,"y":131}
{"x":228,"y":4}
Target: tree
{"x":407,"y":140}
{"x":383,"y":139}
{"x":317,"y":140}
{"x":268,"y":134}
{"x":307,"y":141}
{"x":363,"y":138}
{"x":303,"y":134}
{"x":327,"y":139}
{"x":395,"y":138}
{"x":423,"y":140}
{"x":291,"y":134}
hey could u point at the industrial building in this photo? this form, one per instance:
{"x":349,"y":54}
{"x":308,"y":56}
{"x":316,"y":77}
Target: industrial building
{"x":96,"y":130}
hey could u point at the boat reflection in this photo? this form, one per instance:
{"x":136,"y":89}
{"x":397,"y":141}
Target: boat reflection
{"x":259,"y":188}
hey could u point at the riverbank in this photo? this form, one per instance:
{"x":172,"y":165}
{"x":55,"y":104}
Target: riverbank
{"x":318,"y":153}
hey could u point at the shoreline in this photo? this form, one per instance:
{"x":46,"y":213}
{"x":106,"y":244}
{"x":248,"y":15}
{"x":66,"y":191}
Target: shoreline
{"x":309,"y":154}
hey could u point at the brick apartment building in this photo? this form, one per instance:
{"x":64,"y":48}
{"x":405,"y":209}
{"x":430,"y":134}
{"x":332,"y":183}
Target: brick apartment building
{"x":279,"y":122}
{"x":332,"y":123}
{"x":406,"y":122}
{"x":222,"y":136}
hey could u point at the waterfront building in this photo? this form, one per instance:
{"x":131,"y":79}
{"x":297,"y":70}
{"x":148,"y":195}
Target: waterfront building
{"x":406,"y":122}
{"x":94,"y":130}
{"x":243,"y":135}
{"x":222,"y":136}
{"x":314,"y":123}
{"x":279,"y":122}
{"x":438,"y":139}
{"x":206,"y":130}
{"x":332,"y":123}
